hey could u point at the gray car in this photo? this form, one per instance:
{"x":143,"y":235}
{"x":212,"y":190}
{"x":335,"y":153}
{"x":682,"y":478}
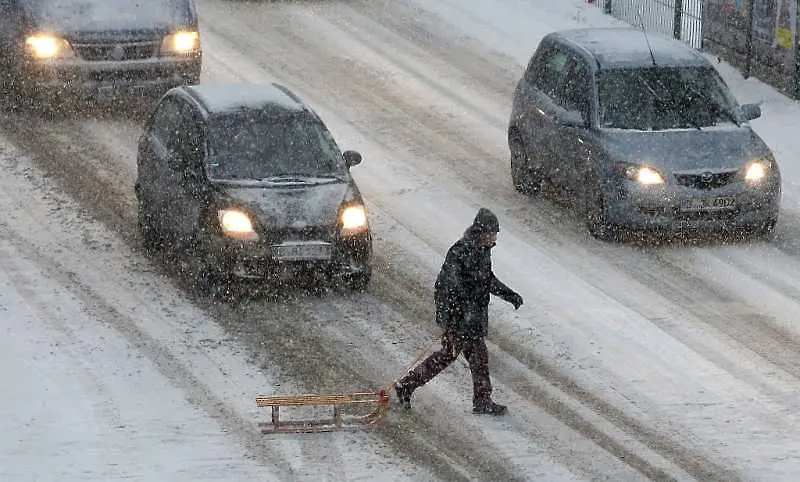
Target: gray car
{"x":63,"y":49}
{"x":643,"y":132}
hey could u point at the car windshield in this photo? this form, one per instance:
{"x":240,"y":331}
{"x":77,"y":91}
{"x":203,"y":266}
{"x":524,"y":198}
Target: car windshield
{"x":262,"y":145}
{"x":87,"y":15}
{"x":659,"y":98}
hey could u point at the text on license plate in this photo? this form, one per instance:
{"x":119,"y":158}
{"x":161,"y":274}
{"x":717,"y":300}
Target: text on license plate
{"x":302,"y":251}
{"x":709,"y":204}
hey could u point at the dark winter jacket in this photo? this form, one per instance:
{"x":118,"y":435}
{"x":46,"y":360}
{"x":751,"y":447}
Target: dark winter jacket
{"x":465,"y":281}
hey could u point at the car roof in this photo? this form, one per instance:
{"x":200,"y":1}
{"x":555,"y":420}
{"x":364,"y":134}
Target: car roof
{"x":222,"y":98}
{"x":625,"y":47}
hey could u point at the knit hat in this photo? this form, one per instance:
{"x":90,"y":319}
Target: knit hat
{"x":486,"y":221}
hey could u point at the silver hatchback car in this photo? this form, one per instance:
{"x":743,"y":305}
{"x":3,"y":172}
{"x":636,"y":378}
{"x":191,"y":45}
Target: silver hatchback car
{"x":643,"y":132}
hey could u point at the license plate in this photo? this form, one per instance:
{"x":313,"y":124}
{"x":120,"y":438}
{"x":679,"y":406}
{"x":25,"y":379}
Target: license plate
{"x":302,"y":251}
{"x":709,"y":204}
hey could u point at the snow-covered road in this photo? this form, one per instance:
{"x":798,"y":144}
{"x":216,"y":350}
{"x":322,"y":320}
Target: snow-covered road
{"x":677,"y":362}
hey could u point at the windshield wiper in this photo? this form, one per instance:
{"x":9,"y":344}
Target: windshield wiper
{"x":715,"y":105}
{"x":671,"y":104}
{"x":301,"y":177}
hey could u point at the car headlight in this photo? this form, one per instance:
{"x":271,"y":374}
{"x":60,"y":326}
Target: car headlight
{"x":236,"y":224}
{"x":181,"y":42}
{"x":354,"y":219}
{"x":644,"y":175}
{"x":46,"y":46}
{"x":756,"y":171}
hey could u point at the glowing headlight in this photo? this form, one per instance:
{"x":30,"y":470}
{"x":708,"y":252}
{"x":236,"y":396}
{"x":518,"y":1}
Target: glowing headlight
{"x":44,"y":46}
{"x":644,"y":175}
{"x":756,"y":171}
{"x":183,"y":42}
{"x":354,"y":218}
{"x":236,"y":224}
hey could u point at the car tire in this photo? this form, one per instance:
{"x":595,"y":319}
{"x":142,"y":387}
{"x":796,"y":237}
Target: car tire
{"x":526,"y":180}
{"x":765,"y":229}
{"x":596,"y":217}
{"x":358,"y":281}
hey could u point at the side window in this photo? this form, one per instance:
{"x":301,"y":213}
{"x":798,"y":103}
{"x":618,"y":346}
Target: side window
{"x":575,"y":92}
{"x":192,"y":146}
{"x":165,"y":124}
{"x":550,"y":71}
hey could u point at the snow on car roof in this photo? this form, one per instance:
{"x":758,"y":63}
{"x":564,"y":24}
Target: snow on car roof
{"x":627,"y":47}
{"x":220,"y":98}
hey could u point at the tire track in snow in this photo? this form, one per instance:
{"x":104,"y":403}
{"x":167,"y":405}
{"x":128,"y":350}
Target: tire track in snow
{"x":96,"y":304}
{"x":618,"y":449}
{"x":335,"y":448}
{"x":412,"y":131}
{"x":404,"y":120}
{"x":88,"y":187}
{"x":464,"y":456}
{"x":61,"y":150}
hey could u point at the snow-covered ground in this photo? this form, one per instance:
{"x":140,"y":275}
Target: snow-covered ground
{"x":625,"y":363}
{"x":109,"y":374}
{"x":80,"y":402}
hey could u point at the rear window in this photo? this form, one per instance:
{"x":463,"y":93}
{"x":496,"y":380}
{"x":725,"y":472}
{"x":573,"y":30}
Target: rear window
{"x":98,"y":15}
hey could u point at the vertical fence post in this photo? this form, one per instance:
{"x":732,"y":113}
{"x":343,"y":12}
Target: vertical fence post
{"x":607,"y":7}
{"x":749,"y":40}
{"x":793,"y":14}
{"x":677,"y":19}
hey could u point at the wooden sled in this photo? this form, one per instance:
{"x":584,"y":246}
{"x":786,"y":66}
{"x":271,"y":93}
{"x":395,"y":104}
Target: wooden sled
{"x":338,"y":421}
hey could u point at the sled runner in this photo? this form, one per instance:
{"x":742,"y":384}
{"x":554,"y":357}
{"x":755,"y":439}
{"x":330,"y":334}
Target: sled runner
{"x":377,"y":402}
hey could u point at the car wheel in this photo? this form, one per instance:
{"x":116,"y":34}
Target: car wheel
{"x":765,"y":229}
{"x":527,"y":180}
{"x":597,"y":218}
{"x":358,"y":281}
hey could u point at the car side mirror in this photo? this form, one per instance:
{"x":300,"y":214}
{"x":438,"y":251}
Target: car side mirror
{"x":751,"y":111}
{"x":351,"y":158}
{"x":571,"y":118}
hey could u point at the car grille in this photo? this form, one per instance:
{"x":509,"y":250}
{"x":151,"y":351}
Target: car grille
{"x":305,"y":234}
{"x":116,"y":51}
{"x":706,"y":180}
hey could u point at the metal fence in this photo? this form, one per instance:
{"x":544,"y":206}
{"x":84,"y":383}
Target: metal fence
{"x":757,"y":36}
{"x":760,"y":37}
{"x":681,"y":19}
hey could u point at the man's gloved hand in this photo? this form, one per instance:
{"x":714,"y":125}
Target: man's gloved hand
{"x":516,"y":300}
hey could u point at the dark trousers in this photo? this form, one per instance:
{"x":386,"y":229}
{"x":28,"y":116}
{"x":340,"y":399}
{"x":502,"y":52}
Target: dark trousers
{"x":474,"y":350}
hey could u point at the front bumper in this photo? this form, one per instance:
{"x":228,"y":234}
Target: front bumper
{"x":678,"y":208}
{"x":81,"y":78}
{"x":349,"y":256}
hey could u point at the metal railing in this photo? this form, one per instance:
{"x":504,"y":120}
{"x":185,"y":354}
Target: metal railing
{"x":681,"y":19}
{"x":757,"y":36}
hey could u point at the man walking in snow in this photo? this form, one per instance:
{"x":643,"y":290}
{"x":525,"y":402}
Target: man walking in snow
{"x":461,"y":296}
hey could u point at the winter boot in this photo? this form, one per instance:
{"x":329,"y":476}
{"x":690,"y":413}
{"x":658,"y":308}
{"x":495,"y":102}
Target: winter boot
{"x":403,"y":395}
{"x":489,"y":408}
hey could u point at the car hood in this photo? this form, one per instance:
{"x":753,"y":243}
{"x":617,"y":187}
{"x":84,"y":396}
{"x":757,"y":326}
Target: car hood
{"x":291,"y":207}
{"x":684,"y":150}
{"x":111,"y":20}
